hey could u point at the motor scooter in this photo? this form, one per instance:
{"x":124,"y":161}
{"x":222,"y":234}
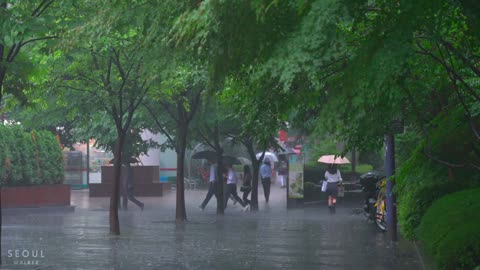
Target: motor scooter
{"x":373,"y":186}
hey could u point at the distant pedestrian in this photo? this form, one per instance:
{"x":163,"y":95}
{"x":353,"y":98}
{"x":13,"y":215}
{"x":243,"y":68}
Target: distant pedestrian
{"x":232,"y":188}
{"x":282,"y":170}
{"x":129,"y":188}
{"x":266,"y":176}
{"x":247,"y":183}
{"x":211,"y":184}
{"x":130,"y":152}
{"x":334,"y":178}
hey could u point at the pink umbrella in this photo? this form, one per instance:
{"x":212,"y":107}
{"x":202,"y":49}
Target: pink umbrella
{"x":332,"y":159}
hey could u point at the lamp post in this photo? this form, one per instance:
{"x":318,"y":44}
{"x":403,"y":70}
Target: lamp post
{"x":390,"y":171}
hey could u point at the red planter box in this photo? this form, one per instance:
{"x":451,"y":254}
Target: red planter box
{"x":36,"y":196}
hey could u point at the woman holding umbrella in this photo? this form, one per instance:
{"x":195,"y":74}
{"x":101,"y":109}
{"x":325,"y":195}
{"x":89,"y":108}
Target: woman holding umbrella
{"x":333,"y":178}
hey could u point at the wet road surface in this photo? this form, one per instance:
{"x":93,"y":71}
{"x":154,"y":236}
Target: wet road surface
{"x":273,"y":238}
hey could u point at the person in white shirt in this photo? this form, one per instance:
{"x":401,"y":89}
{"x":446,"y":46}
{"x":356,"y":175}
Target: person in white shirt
{"x":266,"y":176}
{"x":334,"y":178}
{"x":232,"y":188}
{"x":211,"y":184}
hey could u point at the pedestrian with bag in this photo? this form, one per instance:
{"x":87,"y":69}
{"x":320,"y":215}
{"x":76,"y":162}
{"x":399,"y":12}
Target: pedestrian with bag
{"x":334,"y":179}
{"x":247,"y":183}
{"x":232,"y":188}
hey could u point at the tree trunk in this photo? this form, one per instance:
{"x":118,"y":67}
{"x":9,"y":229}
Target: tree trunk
{"x":256,"y":170}
{"x":181,"y":213}
{"x":219,"y":183}
{"x":115,"y":196}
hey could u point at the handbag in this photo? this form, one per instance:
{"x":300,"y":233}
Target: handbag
{"x":341,"y":191}
{"x":244,"y":188}
{"x":324,"y":186}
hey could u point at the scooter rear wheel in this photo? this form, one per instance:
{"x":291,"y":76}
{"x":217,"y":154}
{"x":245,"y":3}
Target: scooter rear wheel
{"x":381,"y":215}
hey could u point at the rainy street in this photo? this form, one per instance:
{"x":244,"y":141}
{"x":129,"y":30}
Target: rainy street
{"x":273,"y":238}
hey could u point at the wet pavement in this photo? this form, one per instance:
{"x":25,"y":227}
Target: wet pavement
{"x":273,"y":238}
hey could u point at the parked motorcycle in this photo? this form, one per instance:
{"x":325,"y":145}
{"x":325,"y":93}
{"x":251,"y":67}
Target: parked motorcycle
{"x":373,"y":186}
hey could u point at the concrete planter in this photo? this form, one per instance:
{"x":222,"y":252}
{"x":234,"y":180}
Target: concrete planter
{"x":35,"y":196}
{"x":146,"y":181}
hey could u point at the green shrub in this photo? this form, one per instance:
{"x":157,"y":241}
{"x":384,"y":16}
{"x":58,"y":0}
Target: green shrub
{"x":15,"y":138}
{"x":364,"y":168}
{"x":449,"y":230}
{"x":421,"y":180}
{"x":375,"y":158}
{"x":29,"y":158}
{"x":309,"y":188}
{"x":50,"y":158}
{"x":4,"y":153}
{"x":313,"y":173}
{"x":27,"y":146}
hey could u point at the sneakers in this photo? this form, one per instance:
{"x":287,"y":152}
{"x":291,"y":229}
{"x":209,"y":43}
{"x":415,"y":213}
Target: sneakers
{"x":200,"y":207}
{"x":246,"y":208}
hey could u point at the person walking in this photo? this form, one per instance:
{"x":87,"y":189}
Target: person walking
{"x":282,"y":170}
{"x":232,"y":188}
{"x":266,"y":176}
{"x":211,"y":184}
{"x":247,"y":183}
{"x":129,"y":188}
{"x":333,"y":178}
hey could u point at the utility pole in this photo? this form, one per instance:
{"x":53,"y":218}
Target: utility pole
{"x":88,"y":163}
{"x":391,"y":200}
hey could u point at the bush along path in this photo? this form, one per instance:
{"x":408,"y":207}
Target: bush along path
{"x":29,"y":158}
{"x":449,"y":230}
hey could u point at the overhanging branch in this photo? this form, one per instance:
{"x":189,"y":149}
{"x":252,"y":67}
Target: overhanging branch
{"x":449,"y":164}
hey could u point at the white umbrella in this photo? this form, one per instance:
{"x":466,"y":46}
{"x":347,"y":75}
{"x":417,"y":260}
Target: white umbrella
{"x":268,"y":155}
{"x":332,"y":159}
{"x":244,"y":161}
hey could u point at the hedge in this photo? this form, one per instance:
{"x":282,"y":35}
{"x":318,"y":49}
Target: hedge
{"x":449,"y":230}
{"x":29,"y":158}
{"x":421,"y":180}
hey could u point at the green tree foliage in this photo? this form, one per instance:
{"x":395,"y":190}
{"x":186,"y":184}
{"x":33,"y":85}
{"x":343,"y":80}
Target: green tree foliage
{"x":251,"y":120}
{"x":23,"y":24}
{"x":172,"y":107}
{"x":212,"y":31}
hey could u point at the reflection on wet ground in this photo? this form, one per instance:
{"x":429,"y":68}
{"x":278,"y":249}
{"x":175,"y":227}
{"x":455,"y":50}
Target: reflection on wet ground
{"x":273,"y":238}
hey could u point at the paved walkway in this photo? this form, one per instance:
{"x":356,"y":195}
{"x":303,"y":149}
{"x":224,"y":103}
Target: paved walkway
{"x":273,"y":238}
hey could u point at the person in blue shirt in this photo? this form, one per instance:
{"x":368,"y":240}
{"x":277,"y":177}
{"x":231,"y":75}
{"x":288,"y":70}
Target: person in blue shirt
{"x":266,"y":176}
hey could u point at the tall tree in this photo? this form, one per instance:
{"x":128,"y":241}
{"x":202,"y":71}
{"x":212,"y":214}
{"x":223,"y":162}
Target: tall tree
{"x":256,"y":124}
{"x":172,"y":107}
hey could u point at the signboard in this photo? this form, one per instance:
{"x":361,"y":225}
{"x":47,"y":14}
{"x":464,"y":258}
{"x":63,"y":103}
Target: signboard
{"x":295,"y":177}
